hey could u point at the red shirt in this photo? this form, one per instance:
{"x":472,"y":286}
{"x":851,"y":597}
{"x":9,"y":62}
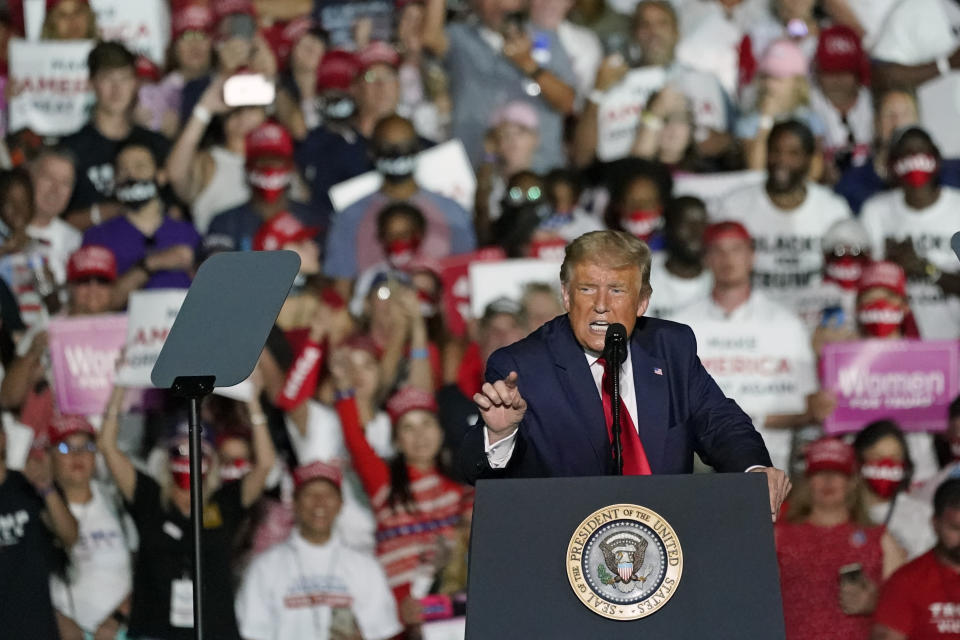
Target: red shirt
{"x":922,"y":600}
{"x":810,"y":558}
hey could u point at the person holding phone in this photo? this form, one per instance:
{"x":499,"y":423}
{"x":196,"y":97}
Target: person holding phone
{"x":519,"y":63}
{"x":831,"y":556}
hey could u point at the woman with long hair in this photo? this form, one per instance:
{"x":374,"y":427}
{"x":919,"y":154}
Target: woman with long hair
{"x":416,"y":502}
{"x":832,"y":557}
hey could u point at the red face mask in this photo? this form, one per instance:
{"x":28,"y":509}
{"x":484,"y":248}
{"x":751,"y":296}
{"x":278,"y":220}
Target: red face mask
{"x":269,"y":184}
{"x":883,"y":476}
{"x":401,"y":252}
{"x":643,"y":223}
{"x":880,"y":318}
{"x":180,"y":469}
{"x":916,"y":169}
{"x":844,"y":271}
{"x":233,"y":470}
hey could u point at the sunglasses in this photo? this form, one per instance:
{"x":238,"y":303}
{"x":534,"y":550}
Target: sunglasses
{"x":840,"y":252}
{"x":65,"y":448}
{"x":517,"y":195}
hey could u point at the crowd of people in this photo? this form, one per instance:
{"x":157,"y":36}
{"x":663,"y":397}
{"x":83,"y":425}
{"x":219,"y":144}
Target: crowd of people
{"x":770,"y":152}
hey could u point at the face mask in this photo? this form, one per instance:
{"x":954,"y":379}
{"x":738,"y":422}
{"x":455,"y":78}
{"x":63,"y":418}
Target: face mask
{"x":643,"y":223}
{"x":269,"y":184}
{"x":396,"y":168}
{"x":428,"y":306}
{"x":880,"y":318}
{"x":916,"y":170}
{"x":338,"y":107}
{"x":844,"y":271}
{"x":180,"y":469}
{"x":233,"y":470}
{"x":401,"y":252}
{"x":883,"y":477}
{"x":136,"y":193}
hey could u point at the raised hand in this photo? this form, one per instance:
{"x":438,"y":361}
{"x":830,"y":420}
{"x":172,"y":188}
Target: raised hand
{"x":501,"y":406}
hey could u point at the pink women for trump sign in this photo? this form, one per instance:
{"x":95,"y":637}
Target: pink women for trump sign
{"x":911,"y":382}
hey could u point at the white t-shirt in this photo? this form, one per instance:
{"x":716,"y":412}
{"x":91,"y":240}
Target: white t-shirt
{"x":887,"y":215}
{"x":760,"y":355}
{"x":909,"y":524}
{"x":670,"y":293}
{"x":59,"y":240}
{"x":356,"y":524}
{"x":585,"y":52}
{"x":913,"y":31}
{"x":297,"y":590}
{"x":100,"y":571}
{"x":788,"y":244}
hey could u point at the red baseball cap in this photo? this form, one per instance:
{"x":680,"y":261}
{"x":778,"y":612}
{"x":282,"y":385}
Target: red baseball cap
{"x":839,"y":50}
{"x":830,"y":454}
{"x":317,"y":470}
{"x":279,"y":230}
{"x":64,"y":426}
{"x":378,"y":53}
{"x":145,"y":69}
{"x":723,"y":229}
{"x":92,"y":260}
{"x":410,"y":399}
{"x":269,"y":139}
{"x":885,"y":275}
{"x":192,"y":17}
{"x":224,"y":8}
{"x":338,"y":69}
{"x":283,"y":36}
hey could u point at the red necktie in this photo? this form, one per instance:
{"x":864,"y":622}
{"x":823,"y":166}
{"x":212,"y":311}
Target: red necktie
{"x":634,"y":457}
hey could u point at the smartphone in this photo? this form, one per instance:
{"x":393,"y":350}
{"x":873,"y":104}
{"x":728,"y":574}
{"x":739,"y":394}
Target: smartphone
{"x":248,"y":90}
{"x":851,"y":572}
{"x":833,"y":317}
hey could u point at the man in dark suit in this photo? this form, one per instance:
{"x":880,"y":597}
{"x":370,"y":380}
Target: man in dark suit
{"x":545,"y":406}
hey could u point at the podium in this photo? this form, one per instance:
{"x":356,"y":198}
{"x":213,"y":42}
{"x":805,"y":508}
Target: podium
{"x":665,"y":557}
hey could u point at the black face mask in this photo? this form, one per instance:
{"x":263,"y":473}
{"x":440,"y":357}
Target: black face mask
{"x":337,"y":107}
{"x":135,"y":193}
{"x":396,"y":163}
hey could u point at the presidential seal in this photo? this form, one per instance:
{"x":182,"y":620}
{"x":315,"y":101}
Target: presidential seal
{"x":624,"y":562}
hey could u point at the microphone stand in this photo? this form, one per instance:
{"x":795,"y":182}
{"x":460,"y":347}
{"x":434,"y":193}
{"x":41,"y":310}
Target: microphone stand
{"x":615,"y":399}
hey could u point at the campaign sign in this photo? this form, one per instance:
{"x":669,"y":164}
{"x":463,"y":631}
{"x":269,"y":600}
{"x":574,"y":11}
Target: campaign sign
{"x":909,"y":381}
{"x":83,"y":357}
{"x":455,"y":277}
{"x":507,"y":279}
{"x":49,"y":89}
{"x":150,"y":316}
{"x":761,"y":367}
{"x":143,"y":26}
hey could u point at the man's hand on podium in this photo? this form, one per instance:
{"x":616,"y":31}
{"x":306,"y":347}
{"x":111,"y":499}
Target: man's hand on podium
{"x":501,"y":407}
{"x":779,"y":485}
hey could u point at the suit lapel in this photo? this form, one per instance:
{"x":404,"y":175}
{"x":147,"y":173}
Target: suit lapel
{"x":578,"y":385}
{"x":653,"y":398}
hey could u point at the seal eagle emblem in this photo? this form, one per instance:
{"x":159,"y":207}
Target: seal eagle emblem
{"x":624,"y":562}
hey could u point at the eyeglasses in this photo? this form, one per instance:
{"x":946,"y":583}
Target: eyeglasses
{"x":65,"y":448}
{"x":518,"y":196}
{"x":840,"y":252}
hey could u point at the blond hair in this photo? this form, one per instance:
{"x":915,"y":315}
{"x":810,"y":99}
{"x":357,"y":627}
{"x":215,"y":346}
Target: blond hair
{"x":801,"y":502}
{"x":612,"y":249}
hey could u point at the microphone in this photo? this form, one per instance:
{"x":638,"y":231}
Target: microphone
{"x":954,"y":244}
{"x":615,"y":344}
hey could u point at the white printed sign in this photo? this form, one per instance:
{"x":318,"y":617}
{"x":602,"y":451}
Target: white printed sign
{"x":618,"y":115}
{"x":150,"y":316}
{"x":143,"y":25}
{"x":756,"y":366}
{"x":506,"y":279}
{"x":443,"y":169}
{"x":49,"y":89}
{"x":939,"y":102}
{"x":712,"y":187}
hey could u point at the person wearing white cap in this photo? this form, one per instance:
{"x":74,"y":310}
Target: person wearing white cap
{"x":311,"y":585}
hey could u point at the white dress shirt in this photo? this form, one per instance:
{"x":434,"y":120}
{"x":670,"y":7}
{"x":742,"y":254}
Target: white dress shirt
{"x":499,"y":453}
